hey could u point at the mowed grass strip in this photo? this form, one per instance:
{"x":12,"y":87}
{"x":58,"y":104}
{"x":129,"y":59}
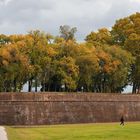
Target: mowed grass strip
{"x":108,"y":131}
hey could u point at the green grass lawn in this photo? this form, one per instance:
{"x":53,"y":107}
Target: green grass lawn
{"x":109,"y":131}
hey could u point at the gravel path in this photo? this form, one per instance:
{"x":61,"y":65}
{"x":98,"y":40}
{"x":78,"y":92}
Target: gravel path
{"x":3,"y":135}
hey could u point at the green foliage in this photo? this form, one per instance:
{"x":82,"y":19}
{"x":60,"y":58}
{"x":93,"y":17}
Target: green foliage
{"x":103,"y":36}
{"x":126,"y":32}
{"x":106,"y":62}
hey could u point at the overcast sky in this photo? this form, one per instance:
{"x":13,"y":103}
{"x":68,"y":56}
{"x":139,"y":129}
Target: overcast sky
{"x":20,"y":16}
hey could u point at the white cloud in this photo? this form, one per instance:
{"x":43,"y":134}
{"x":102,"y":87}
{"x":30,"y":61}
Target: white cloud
{"x":5,"y":2}
{"x":135,"y":1}
{"x":20,"y":16}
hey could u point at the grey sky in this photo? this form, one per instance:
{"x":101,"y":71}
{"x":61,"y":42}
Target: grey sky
{"x":20,"y":16}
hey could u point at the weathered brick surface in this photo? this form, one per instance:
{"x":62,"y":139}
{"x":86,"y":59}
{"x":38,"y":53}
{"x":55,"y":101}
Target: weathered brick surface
{"x":54,"y":108}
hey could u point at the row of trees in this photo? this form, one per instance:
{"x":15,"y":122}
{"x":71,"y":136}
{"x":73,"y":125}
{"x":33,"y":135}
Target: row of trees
{"x":106,"y":62}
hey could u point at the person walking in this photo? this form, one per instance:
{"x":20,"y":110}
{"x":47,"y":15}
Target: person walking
{"x":122,"y":121}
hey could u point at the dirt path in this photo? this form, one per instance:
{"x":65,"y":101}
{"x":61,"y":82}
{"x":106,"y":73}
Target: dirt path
{"x":3,"y":135}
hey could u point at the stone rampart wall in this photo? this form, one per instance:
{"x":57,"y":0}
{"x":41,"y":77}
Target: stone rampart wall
{"x":59,"y":108}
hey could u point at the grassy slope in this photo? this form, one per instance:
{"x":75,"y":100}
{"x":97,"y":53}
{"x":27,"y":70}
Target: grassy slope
{"x":130,"y":131}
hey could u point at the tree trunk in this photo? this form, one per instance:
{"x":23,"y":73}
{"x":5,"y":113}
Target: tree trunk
{"x":15,"y":85}
{"x":20,"y":86}
{"x":29,"y":85}
{"x":35,"y":84}
{"x":134,"y":88}
{"x":138,"y":90}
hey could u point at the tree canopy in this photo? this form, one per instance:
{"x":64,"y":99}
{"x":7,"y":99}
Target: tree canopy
{"x":107,"y":61}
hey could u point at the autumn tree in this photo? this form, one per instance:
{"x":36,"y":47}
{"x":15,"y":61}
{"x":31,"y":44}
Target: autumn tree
{"x":112,"y":68}
{"x":13,"y":66}
{"x":87,"y":61}
{"x":106,"y":62}
{"x":38,"y":48}
{"x":102,"y":36}
{"x":126,"y":33}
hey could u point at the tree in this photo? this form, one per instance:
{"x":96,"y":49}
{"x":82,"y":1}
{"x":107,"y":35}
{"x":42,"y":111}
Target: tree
{"x":87,"y":62}
{"x":67,"y":32}
{"x":67,"y":73}
{"x":37,"y":45}
{"x":102,"y":36}
{"x":112,"y":68}
{"x":103,"y":63}
{"x":13,"y":68}
{"x":126,"y":32}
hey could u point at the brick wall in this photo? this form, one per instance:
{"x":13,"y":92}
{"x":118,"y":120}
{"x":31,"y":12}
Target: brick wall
{"x":56,"y":108}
